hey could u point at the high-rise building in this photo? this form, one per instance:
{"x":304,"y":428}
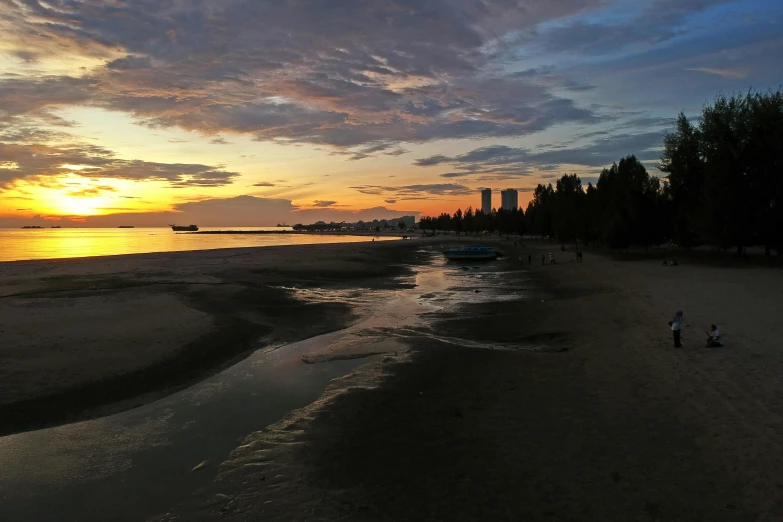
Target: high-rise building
{"x":486,"y":200}
{"x":509,"y":199}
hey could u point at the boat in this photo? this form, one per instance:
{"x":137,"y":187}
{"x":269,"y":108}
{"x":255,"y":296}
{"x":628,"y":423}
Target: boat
{"x":189,"y":228}
{"x":125,"y":226}
{"x":55,"y":226}
{"x":472,"y":253}
{"x":32,"y":226}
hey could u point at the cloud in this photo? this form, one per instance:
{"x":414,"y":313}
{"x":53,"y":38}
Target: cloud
{"x":414,"y":192}
{"x":657,"y":22}
{"x":323,"y":204}
{"x":502,"y":159}
{"x":263,"y":184}
{"x":219,"y":141}
{"x":236,"y":211}
{"x":723,"y":73}
{"x":390,"y":201}
{"x":26,"y":56}
{"x":293,"y":72}
{"x":92,"y":191}
{"x":32,"y":161}
{"x":432,"y":160}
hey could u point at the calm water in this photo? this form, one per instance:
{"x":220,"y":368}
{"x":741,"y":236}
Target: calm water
{"x":50,"y":243}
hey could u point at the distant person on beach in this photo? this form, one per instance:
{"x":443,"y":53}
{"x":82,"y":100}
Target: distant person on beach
{"x":579,"y":257}
{"x":551,"y":259}
{"x":676,"y":325}
{"x":543,"y":259}
{"x":713,"y":337}
{"x":529,"y":259}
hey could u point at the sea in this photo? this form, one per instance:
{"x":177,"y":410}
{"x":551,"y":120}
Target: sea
{"x":59,"y":243}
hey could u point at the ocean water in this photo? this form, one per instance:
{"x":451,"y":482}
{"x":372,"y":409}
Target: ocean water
{"x":56,"y":243}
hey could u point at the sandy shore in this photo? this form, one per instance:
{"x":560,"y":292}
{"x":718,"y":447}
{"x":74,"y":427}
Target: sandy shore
{"x":86,"y":337}
{"x":610,"y":423}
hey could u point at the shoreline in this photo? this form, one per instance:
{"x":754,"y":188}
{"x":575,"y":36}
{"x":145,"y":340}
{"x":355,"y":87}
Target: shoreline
{"x":186,"y":316}
{"x":619,"y":426}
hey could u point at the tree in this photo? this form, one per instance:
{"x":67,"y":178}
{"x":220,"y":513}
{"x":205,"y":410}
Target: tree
{"x":540,"y":210}
{"x":682,"y":162}
{"x":457,"y":221}
{"x":723,"y":186}
{"x":726,"y":210}
{"x":765,"y":155}
{"x":567,"y":204}
{"x":401,"y":225}
{"x":469,"y":221}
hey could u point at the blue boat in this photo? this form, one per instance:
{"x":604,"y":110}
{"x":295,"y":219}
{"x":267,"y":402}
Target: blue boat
{"x":472,"y":253}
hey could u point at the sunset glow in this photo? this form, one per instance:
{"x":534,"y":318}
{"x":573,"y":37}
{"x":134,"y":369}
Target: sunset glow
{"x":415,"y":116}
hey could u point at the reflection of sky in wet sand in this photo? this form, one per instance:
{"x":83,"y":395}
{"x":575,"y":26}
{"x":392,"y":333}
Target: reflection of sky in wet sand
{"x":139,"y":462}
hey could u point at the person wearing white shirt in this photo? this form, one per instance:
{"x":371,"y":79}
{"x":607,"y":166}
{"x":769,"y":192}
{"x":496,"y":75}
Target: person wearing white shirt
{"x":713,"y":337}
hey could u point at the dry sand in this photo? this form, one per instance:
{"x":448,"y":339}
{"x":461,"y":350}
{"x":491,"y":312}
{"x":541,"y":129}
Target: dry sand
{"x":86,"y":337}
{"x":619,"y":427}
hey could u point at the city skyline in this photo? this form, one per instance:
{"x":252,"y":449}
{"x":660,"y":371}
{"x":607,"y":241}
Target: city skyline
{"x":509,"y":199}
{"x":238,"y":113}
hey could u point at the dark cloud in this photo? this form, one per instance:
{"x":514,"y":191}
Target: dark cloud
{"x":26,"y":56}
{"x":91,"y":191}
{"x":219,"y":141}
{"x":263,"y":184}
{"x":519,"y":161}
{"x":661,"y":21}
{"x":390,"y":201}
{"x":432,"y":160}
{"x":130,"y":63}
{"x":30,"y":161}
{"x":348,"y":74}
{"x":323,"y":204}
{"x":412,"y":192}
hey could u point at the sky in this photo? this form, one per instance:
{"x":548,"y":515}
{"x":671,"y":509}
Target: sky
{"x":254,"y":112}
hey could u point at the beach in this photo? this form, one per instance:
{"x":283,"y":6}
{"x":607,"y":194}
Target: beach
{"x":595,"y":415}
{"x":509,"y":391}
{"x":93,"y":336}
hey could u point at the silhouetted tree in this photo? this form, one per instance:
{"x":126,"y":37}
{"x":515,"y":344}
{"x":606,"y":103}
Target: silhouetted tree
{"x":723,"y":186}
{"x":681,"y":161}
{"x":469,"y":221}
{"x":567,"y":203}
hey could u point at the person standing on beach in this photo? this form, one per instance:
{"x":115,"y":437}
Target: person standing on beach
{"x":676,"y":325}
{"x":543,"y":259}
{"x":529,"y":259}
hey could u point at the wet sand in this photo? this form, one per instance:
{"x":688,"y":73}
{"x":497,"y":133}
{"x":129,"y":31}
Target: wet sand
{"x":581,"y":410}
{"x":81,"y":338}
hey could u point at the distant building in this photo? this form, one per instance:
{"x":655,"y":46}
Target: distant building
{"x":509,"y":199}
{"x":486,"y":200}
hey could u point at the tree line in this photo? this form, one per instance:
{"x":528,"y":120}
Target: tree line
{"x":723,"y":187}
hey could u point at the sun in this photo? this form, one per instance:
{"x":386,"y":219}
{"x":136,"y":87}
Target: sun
{"x":79,"y":206}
